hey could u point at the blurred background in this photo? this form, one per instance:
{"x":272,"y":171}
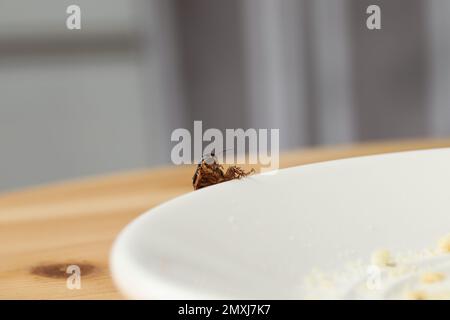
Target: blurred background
{"x":107,"y":97}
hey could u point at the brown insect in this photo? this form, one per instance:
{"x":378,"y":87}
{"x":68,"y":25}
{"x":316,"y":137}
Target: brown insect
{"x":210,"y":172}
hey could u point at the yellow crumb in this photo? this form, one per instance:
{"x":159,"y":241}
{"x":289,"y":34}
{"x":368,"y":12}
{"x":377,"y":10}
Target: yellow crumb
{"x":382,"y":258}
{"x":432,"y":277}
{"x":417,"y":295}
{"x":444,"y":244}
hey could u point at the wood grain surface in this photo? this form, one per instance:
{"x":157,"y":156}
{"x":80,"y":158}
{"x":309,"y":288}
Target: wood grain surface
{"x":45,"y":229}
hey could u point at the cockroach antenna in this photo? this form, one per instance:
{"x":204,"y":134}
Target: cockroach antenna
{"x":213,"y":153}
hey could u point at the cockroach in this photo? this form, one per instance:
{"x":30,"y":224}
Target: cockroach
{"x":210,"y":172}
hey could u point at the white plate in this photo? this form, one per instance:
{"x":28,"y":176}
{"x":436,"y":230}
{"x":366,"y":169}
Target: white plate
{"x":258,"y":237}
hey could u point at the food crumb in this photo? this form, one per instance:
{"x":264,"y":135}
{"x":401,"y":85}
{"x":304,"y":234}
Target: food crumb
{"x":417,"y":295}
{"x":382,"y":258}
{"x":444,"y":244}
{"x":432,"y":277}
{"x":414,"y":275}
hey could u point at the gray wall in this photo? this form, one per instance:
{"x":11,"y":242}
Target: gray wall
{"x":78,"y":103}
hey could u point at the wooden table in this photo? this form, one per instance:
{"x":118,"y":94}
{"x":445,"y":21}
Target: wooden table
{"x":44,"y":229}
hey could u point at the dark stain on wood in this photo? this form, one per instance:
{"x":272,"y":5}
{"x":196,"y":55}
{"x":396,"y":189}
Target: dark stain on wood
{"x":58,"y":270}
